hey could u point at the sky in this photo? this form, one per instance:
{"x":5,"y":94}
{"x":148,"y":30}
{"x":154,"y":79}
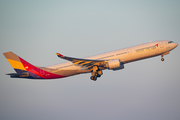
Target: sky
{"x":36,"y":30}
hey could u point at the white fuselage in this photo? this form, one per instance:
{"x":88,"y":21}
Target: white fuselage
{"x":125,"y":55}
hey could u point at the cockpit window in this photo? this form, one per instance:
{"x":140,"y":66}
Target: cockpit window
{"x":170,"y":42}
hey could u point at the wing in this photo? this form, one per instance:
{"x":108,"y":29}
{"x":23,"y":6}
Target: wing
{"x":84,"y":63}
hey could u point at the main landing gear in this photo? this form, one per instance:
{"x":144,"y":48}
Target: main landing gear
{"x":95,"y":73}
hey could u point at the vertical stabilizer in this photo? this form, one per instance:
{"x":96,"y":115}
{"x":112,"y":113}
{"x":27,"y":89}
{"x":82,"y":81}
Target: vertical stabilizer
{"x":16,"y":62}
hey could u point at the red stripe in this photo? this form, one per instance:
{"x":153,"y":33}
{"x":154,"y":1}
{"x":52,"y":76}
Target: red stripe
{"x":38,"y":71}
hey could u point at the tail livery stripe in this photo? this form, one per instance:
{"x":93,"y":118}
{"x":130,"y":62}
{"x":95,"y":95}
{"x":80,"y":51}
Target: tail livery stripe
{"x":30,"y":68}
{"x":16,"y":64}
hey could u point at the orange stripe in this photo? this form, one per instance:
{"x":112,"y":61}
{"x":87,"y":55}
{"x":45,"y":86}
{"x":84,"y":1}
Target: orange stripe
{"x":16,"y":64}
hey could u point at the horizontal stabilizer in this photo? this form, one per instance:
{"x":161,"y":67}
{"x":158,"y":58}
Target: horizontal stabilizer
{"x":18,"y":74}
{"x":22,"y":75}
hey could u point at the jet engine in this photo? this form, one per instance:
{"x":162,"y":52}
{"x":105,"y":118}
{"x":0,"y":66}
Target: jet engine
{"x":115,"y":65}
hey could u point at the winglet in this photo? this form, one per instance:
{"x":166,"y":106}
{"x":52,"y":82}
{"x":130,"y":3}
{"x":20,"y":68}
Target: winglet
{"x":59,"y":55}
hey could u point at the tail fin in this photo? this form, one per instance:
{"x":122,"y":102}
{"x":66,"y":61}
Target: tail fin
{"x":16,"y":62}
{"x":20,"y":66}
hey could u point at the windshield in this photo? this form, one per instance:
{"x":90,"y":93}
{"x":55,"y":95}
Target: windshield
{"x":170,"y":42}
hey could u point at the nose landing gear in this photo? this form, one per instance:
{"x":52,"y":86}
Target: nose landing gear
{"x":162,"y":59}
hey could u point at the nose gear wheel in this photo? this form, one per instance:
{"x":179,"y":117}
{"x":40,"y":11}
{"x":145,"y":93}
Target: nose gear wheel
{"x":162,"y":59}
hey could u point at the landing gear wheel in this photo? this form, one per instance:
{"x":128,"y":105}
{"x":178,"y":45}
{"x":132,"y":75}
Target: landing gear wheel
{"x":162,"y":59}
{"x":93,"y":78}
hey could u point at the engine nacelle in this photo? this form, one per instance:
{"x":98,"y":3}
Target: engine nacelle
{"x":115,"y":65}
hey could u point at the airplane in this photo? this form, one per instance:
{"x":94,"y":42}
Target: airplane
{"x":114,"y":60}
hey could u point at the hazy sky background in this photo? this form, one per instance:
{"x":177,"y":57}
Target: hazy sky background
{"x":35,"y":30}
